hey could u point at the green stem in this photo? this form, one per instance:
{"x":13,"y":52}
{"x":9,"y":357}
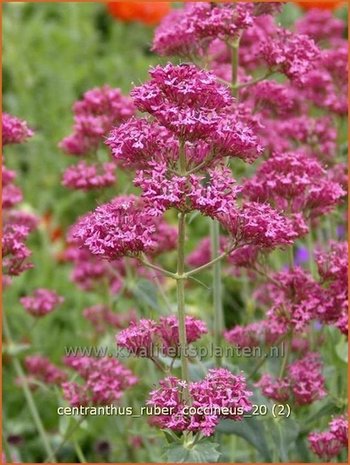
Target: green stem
{"x":235,"y":63}
{"x":79,"y":452}
{"x":310,"y":250}
{"x":263,"y":359}
{"x":286,"y":355}
{"x":27,"y":392}
{"x":181,"y":282}
{"x":209,"y":264}
{"x":217,"y":289}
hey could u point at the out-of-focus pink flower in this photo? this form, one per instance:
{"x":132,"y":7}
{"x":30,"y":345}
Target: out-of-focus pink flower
{"x":86,"y":177}
{"x":327,"y":445}
{"x":14,"y":130}
{"x":291,"y":54}
{"x":43,"y":370}
{"x":320,"y":25}
{"x":147,"y":337}
{"x":102,"y":318}
{"x":41,"y":302}
{"x":14,"y":250}
{"x":94,"y":115}
{"x":105,"y":380}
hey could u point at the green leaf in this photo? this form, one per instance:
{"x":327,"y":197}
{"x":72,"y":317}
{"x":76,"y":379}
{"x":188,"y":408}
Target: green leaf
{"x":250,"y":429}
{"x":202,"y":452}
{"x":284,"y":434}
{"x":341,"y":350}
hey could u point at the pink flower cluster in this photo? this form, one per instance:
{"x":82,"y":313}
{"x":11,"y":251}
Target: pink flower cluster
{"x":11,"y":194}
{"x":41,"y":302}
{"x":294,"y":181}
{"x":94,"y":115}
{"x":320,"y":25}
{"x":84,"y":176}
{"x":223,"y":394}
{"x":333,"y":270}
{"x":105,"y":380}
{"x":14,"y":249}
{"x":41,"y":369}
{"x":102,"y":318}
{"x":291,"y":54}
{"x":121,"y":227}
{"x":303,"y":384}
{"x":254,"y":334}
{"x":14,"y":130}
{"x":328,"y":445}
{"x":146,"y":337}
{"x":188,"y":32}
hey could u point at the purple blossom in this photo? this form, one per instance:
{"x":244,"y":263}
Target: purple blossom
{"x":41,"y":369}
{"x":41,"y":302}
{"x":220,"y":389}
{"x":14,"y":130}
{"x":86,"y":177}
{"x":329,"y":444}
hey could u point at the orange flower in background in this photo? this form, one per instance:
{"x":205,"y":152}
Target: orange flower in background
{"x":145,"y":12}
{"x":320,"y":5}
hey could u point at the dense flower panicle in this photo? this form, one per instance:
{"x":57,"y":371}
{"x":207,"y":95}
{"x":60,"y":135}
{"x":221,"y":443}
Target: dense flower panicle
{"x":296,"y":181}
{"x":41,"y":302}
{"x":138,"y":142}
{"x":274,"y":388}
{"x":102,"y":318}
{"x":185,"y":99}
{"x":94,"y":115}
{"x":22,"y":218}
{"x":339,"y":426}
{"x":11,"y":196}
{"x":273,"y":99}
{"x":85,"y":177}
{"x":168,"y":330}
{"x":292,"y":54}
{"x":120,"y":227}
{"x":320,"y":25}
{"x":303,"y":384}
{"x":14,"y":250}
{"x":297,"y":299}
{"x":14,"y":130}
{"x":162,"y":192}
{"x":318,"y":133}
{"x":105,"y":380}
{"x":189,"y":31}
{"x":220,"y":389}
{"x":259,"y":224}
{"x":7,"y":176}
{"x":144,"y":338}
{"x":306,"y":379}
{"x":327,"y":85}
{"x":43,"y":370}
{"x":235,"y":138}
{"x":245,"y":336}
{"x":327,"y":445}
{"x":333,"y":270}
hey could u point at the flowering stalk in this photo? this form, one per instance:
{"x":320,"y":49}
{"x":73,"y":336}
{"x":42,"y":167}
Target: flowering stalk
{"x":235,"y":61}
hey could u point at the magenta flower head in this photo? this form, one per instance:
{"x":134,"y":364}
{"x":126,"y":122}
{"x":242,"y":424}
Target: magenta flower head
{"x":121,"y":227}
{"x":291,"y":54}
{"x":185,"y":99}
{"x":219,"y":395}
{"x":138,"y":142}
{"x":104,"y":381}
{"x":320,"y":25}
{"x":94,"y":115}
{"x":306,"y":379}
{"x":329,"y":444}
{"x":14,"y":130}
{"x":14,"y":250}
{"x":41,"y":302}
{"x":148,"y":338}
{"x":41,"y":369}
{"x":85,"y":177}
